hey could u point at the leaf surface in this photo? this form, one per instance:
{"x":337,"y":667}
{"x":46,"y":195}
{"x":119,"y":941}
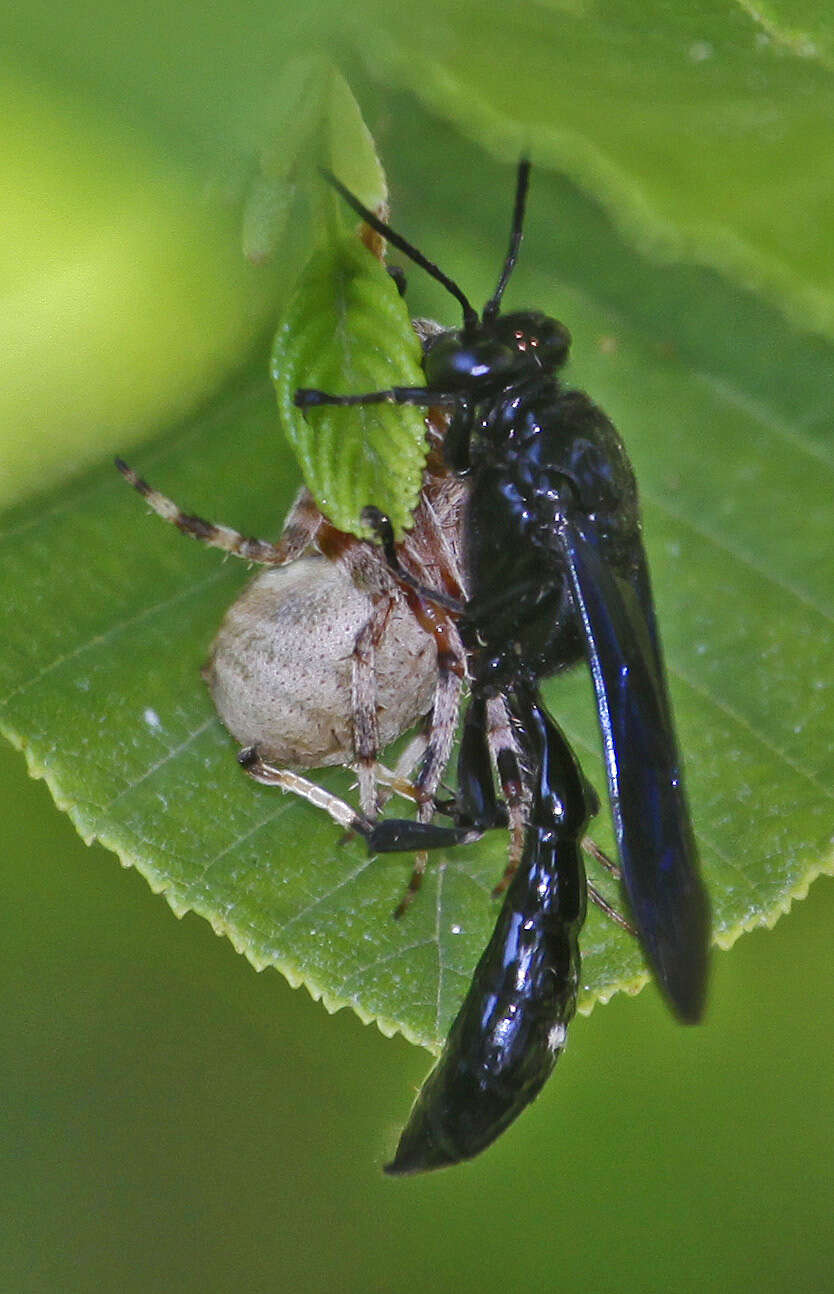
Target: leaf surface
{"x":703,"y":130}
{"x":346,"y":330}
{"x":109,"y":615}
{"x":716,"y":153}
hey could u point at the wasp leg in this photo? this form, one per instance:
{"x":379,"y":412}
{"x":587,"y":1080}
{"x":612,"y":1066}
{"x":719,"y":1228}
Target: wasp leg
{"x":384,"y":531}
{"x":311,"y":398}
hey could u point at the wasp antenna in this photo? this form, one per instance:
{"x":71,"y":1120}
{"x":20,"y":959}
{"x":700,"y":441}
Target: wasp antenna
{"x":494,"y":304}
{"x":470,"y":314}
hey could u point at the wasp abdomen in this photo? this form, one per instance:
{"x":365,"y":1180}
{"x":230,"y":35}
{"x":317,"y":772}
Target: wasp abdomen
{"x":512,"y":1026}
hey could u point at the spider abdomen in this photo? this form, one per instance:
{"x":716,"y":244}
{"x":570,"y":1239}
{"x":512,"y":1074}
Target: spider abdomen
{"x":280,"y":671}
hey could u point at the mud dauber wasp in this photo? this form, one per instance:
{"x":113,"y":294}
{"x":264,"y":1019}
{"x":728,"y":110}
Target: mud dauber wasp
{"x":553,"y":571}
{"x":556,"y":573}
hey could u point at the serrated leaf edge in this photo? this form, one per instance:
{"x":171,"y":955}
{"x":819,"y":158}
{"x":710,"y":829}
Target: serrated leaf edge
{"x":300,"y":979}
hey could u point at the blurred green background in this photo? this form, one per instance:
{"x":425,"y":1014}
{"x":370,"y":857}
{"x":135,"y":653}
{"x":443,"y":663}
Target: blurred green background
{"x":171,"y":1120}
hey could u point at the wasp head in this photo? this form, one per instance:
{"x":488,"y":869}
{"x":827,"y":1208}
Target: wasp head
{"x":495,"y":353}
{"x":534,"y":334}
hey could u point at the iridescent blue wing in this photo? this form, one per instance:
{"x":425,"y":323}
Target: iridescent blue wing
{"x":645,"y":784}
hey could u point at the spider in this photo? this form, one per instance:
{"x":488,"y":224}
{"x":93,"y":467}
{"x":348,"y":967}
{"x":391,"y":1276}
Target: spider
{"x":525,"y":557}
{"x":326,"y":658}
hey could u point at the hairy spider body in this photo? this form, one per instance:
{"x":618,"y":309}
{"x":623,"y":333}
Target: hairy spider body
{"x":325,"y":658}
{"x":279,"y":685}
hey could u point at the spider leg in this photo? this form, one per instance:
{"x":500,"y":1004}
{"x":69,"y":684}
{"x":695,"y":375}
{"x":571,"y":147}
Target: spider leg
{"x":268,"y":775}
{"x":451,"y":666}
{"x":299,"y":531}
{"x":505,"y":754}
{"x":475,"y":808}
{"x":415,"y":880}
{"x":363,"y":705}
{"x":591,"y":847}
{"x":390,"y":836}
{"x":397,"y":780}
{"x":611,"y":912}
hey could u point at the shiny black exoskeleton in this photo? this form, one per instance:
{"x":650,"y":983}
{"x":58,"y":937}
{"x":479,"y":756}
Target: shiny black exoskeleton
{"x":556,"y":573}
{"x":512,"y":1025}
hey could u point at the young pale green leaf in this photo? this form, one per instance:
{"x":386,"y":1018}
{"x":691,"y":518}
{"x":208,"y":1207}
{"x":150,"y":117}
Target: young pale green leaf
{"x":347,"y":330}
{"x":347,"y":147}
{"x":345,"y":327}
{"x":315,"y":122}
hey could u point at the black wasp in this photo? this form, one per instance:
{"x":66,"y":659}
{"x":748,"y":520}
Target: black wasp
{"x":556,"y":573}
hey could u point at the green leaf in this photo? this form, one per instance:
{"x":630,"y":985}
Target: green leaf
{"x":346,"y":329}
{"x":704,"y":130}
{"x":314,"y":122}
{"x":108,"y":615}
